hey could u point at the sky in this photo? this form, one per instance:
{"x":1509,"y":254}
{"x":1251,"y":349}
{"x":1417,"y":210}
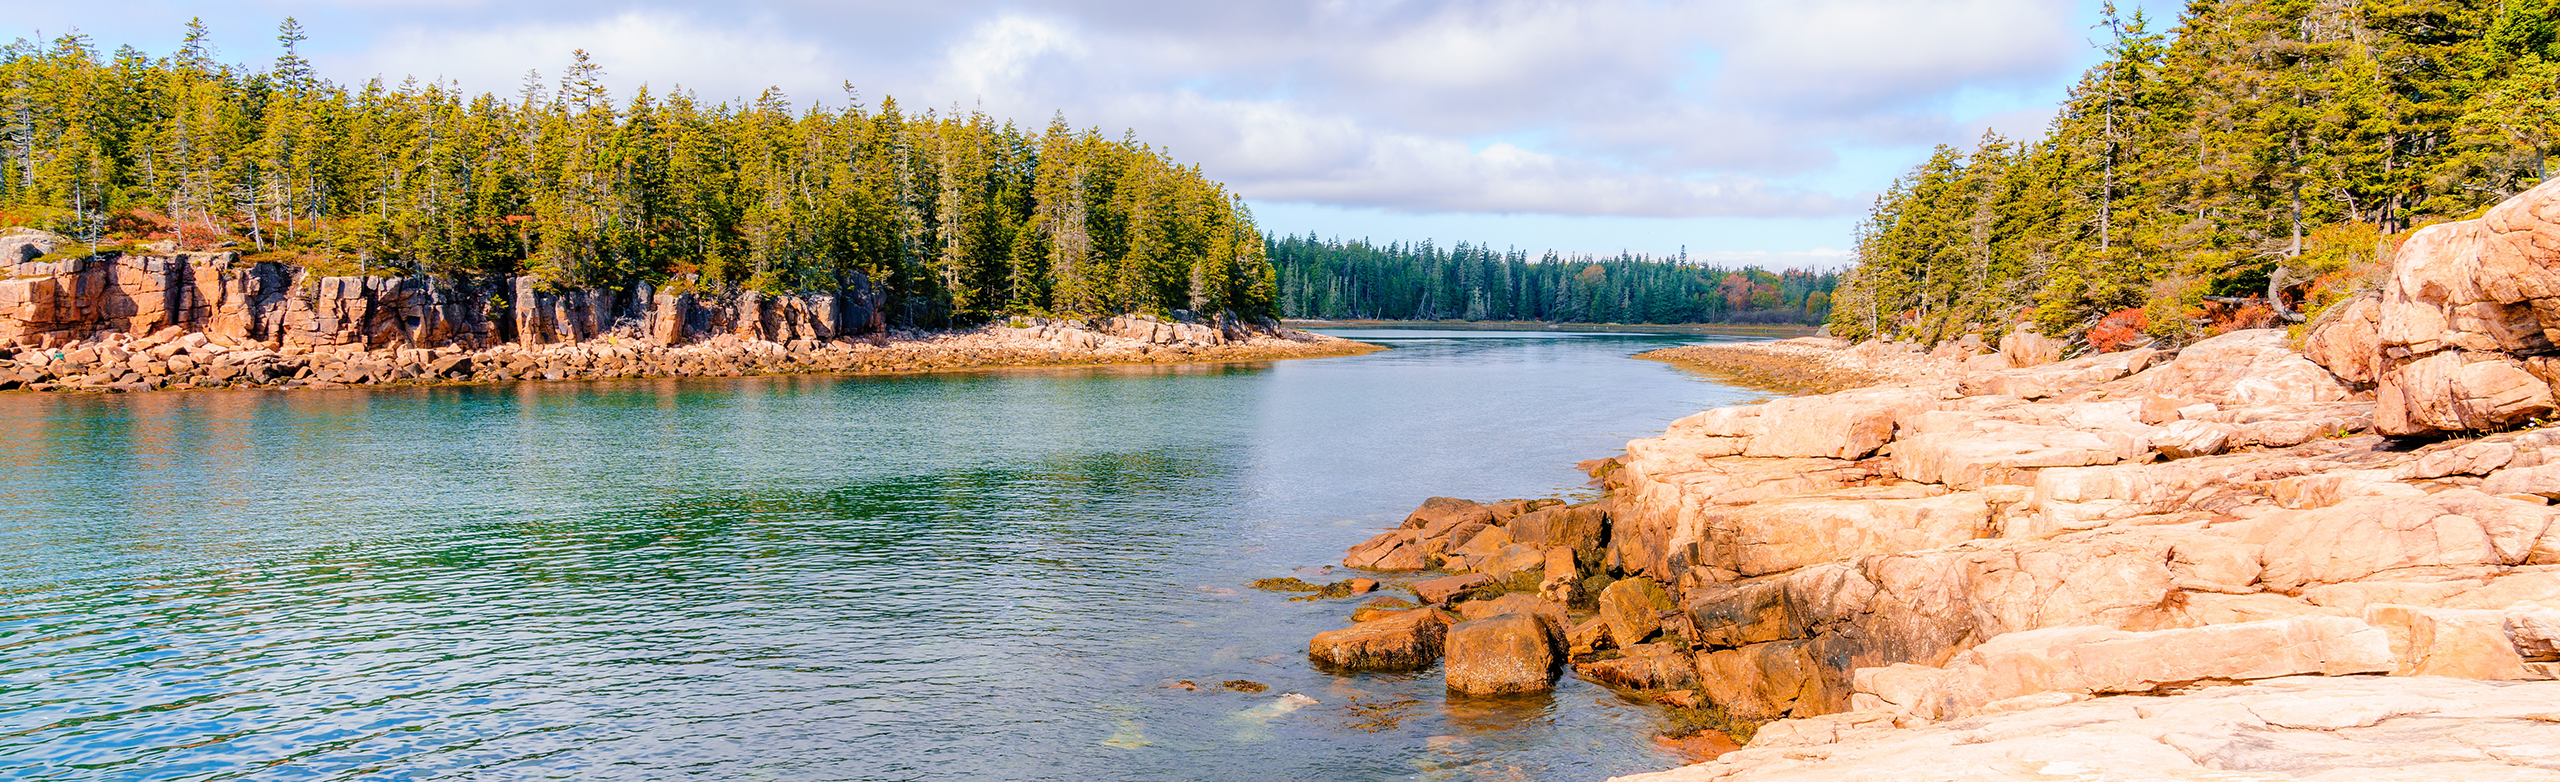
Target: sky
{"x":1733,"y":131}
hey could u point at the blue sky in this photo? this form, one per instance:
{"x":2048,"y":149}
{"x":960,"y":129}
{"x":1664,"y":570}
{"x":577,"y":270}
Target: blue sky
{"x":1741,"y":131}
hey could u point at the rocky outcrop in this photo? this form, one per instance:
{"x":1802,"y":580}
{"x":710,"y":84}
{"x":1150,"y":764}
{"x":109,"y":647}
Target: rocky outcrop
{"x":1501,"y":654}
{"x":128,"y":322}
{"x":1992,"y":536}
{"x":2468,"y":318}
{"x":1510,"y":569}
{"x":2190,"y":493}
{"x":1400,"y":641}
{"x":45,"y":305}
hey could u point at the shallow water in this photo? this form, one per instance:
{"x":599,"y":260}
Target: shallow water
{"x":989,"y":575}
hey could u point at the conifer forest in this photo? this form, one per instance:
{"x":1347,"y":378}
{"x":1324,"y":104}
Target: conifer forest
{"x":1421,"y":281}
{"x":2248,"y":165}
{"x":961,"y":218}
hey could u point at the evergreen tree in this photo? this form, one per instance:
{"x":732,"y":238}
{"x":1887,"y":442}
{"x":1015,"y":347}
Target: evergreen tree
{"x":961,"y":218}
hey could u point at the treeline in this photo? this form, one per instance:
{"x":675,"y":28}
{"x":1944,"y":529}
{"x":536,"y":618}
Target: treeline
{"x":959,"y":217}
{"x":1421,"y":281}
{"x":2259,"y":147}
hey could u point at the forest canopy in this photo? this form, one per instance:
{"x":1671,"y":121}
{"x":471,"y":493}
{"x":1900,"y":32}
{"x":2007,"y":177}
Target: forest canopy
{"x":2258,"y":161}
{"x":959,"y":217}
{"x":1421,"y":281}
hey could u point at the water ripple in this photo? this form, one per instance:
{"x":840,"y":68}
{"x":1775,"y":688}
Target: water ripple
{"x":988,"y":575}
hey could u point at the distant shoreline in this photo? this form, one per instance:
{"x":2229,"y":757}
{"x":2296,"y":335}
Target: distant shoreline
{"x":1737,"y":329}
{"x":176,"y":360}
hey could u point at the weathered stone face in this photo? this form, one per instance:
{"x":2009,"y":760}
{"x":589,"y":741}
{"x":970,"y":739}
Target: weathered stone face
{"x":1509,"y":653}
{"x":2465,"y":301}
{"x":214,"y":293}
{"x":1633,"y":608}
{"x":1643,"y":667}
{"x":1406,"y":641}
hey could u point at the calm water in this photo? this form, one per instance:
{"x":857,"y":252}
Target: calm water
{"x":972,"y":576}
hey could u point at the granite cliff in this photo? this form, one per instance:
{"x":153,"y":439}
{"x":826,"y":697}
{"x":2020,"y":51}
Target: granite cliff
{"x":159,"y":318}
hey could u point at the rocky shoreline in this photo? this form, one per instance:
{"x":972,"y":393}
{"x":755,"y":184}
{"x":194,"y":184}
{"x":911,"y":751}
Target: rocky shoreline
{"x":2263,"y":555}
{"x":176,"y":359}
{"x":200,"y":320}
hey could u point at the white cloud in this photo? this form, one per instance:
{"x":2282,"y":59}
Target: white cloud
{"x":659,"y":49}
{"x":1002,"y":52}
{"x":1859,"y":55}
{"x":1659,"y":108}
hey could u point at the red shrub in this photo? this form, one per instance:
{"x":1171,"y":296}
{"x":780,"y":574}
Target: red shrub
{"x":2119,"y":330}
{"x":2226,"y":318}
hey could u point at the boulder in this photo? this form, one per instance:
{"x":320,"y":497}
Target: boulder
{"x":1545,"y":610}
{"x":2023,"y":347}
{"x":1561,"y":581}
{"x":1439,"y":590}
{"x":1407,"y":641}
{"x":1478,"y":540}
{"x":1846,"y":425}
{"x":2246,"y":368}
{"x":1643,"y":667}
{"x":2535,"y":632}
{"x":1390,"y":550}
{"x":1590,"y":636}
{"x":2463,"y":302}
{"x":1580,"y":528}
{"x":1511,"y":562}
{"x":1441,"y":513}
{"x":2347,"y":339}
{"x":1769,"y":680}
{"x":1510,"y":653}
{"x":2453,"y":390}
{"x":1632,"y":608}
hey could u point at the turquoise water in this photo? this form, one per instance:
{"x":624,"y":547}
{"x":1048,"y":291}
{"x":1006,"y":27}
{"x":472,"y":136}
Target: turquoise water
{"x":989,"y":575}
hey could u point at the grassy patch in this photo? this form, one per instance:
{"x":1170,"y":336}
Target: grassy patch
{"x":1710,"y":718}
{"x":1332,"y":591}
{"x":1284,"y":584}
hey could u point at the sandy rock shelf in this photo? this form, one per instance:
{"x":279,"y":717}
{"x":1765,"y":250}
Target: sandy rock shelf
{"x":2351,"y":729}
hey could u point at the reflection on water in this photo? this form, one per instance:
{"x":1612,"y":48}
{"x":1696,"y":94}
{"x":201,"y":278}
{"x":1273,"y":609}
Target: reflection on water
{"x":984,"y":575}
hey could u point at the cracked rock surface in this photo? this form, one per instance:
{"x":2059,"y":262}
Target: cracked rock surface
{"x":2329,"y":729}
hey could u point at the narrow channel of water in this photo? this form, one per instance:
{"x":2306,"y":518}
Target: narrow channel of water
{"x":991,"y":575}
